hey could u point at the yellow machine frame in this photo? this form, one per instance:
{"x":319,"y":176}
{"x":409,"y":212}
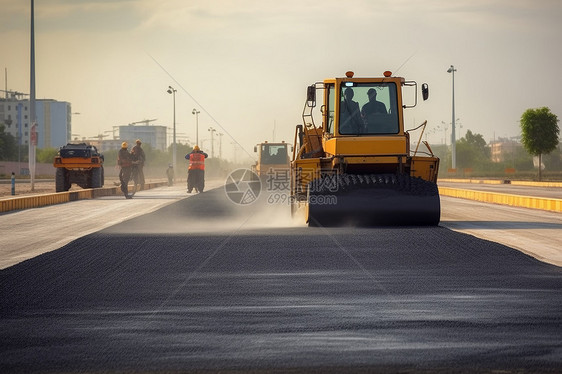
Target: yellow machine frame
{"x":327,"y":152}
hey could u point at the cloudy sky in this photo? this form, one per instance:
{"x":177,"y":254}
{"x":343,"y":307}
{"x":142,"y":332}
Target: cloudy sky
{"x":245,"y":64}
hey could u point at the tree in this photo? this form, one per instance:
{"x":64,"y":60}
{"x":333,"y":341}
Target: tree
{"x":8,"y":146}
{"x":553,"y":161}
{"x":472,"y":151}
{"x":539,"y":132}
{"x":46,"y":155}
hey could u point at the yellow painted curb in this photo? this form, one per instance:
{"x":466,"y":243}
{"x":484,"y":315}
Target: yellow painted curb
{"x":37,"y":201}
{"x":536,"y":184}
{"x":471,"y":181}
{"x":553,"y":205}
{"x":498,"y":181}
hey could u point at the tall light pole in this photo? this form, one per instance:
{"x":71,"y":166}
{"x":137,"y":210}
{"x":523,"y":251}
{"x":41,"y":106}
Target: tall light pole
{"x":173,"y":91}
{"x":445,"y":128}
{"x":212,"y":131}
{"x":196,"y":112}
{"x":69,"y":135}
{"x":32,"y":143}
{"x":220,"y":145}
{"x":453,"y":141}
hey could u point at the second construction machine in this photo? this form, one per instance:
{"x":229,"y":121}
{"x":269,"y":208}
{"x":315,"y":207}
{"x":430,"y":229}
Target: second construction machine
{"x":272,"y":158}
{"x":356,"y":167}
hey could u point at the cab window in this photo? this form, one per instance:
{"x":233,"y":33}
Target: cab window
{"x":274,"y":153}
{"x":368,"y":108}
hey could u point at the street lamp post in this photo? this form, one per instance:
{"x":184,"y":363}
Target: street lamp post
{"x":196,"y":112}
{"x":453,"y":150}
{"x":32,"y":109}
{"x":212,"y":130}
{"x":70,"y":129}
{"x":173,"y":91}
{"x":220,"y":145}
{"x":445,"y":128}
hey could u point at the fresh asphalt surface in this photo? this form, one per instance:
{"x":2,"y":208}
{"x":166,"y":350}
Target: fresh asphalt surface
{"x":205,"y":285}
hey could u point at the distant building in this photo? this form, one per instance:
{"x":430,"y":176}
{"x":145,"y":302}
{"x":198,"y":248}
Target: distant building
{"x":154,"y":135}
{"x":103,"y":145}
{"x":503,"y":148}
{"x":53,"y":120}
{"x":54,"y":125}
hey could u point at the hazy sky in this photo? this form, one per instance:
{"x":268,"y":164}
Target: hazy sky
{"x":245,"y":64}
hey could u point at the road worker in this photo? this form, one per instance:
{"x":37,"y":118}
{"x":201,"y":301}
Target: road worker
{"x":196,"y":170}
{"x":125,"y":162}
{"x":138,"y":162}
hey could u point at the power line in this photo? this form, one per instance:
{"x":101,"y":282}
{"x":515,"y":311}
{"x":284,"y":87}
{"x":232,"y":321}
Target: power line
{"x":198,"y":104}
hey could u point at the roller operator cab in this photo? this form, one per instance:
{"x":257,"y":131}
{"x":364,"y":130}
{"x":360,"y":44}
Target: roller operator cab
{"x":355,"y":167}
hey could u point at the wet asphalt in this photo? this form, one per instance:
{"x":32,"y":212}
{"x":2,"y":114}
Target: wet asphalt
{"x":204,"y":285}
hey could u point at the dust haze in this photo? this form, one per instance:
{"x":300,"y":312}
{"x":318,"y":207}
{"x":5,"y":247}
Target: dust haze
{"x":213,"y":212}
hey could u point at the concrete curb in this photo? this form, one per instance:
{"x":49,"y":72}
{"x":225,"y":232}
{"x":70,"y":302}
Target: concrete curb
{"x":37,"y":201}
{"x":553,"y":205}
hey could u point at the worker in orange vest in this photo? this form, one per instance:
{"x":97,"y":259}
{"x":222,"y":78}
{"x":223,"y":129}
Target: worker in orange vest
{"x":196,"y":170}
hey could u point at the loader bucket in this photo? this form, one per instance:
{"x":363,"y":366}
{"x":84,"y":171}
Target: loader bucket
{"x":374,"y":200}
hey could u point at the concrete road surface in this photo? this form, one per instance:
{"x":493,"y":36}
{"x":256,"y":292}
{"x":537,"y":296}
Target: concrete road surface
{"x":532,"y":231}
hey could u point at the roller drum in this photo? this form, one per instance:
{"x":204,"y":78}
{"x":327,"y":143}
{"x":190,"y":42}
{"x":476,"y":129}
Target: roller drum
{"x":373,"y":200}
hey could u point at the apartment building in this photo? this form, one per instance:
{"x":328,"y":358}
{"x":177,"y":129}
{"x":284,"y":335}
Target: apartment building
{"x":53,"y":121}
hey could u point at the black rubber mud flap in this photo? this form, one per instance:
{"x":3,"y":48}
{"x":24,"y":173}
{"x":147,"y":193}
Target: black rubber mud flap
{"x":373,"y":200}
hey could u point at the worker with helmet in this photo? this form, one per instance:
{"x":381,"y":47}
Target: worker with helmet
{"x":139,"y":158}
{"x":196,"y":170}
{"x":125,"y":162}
